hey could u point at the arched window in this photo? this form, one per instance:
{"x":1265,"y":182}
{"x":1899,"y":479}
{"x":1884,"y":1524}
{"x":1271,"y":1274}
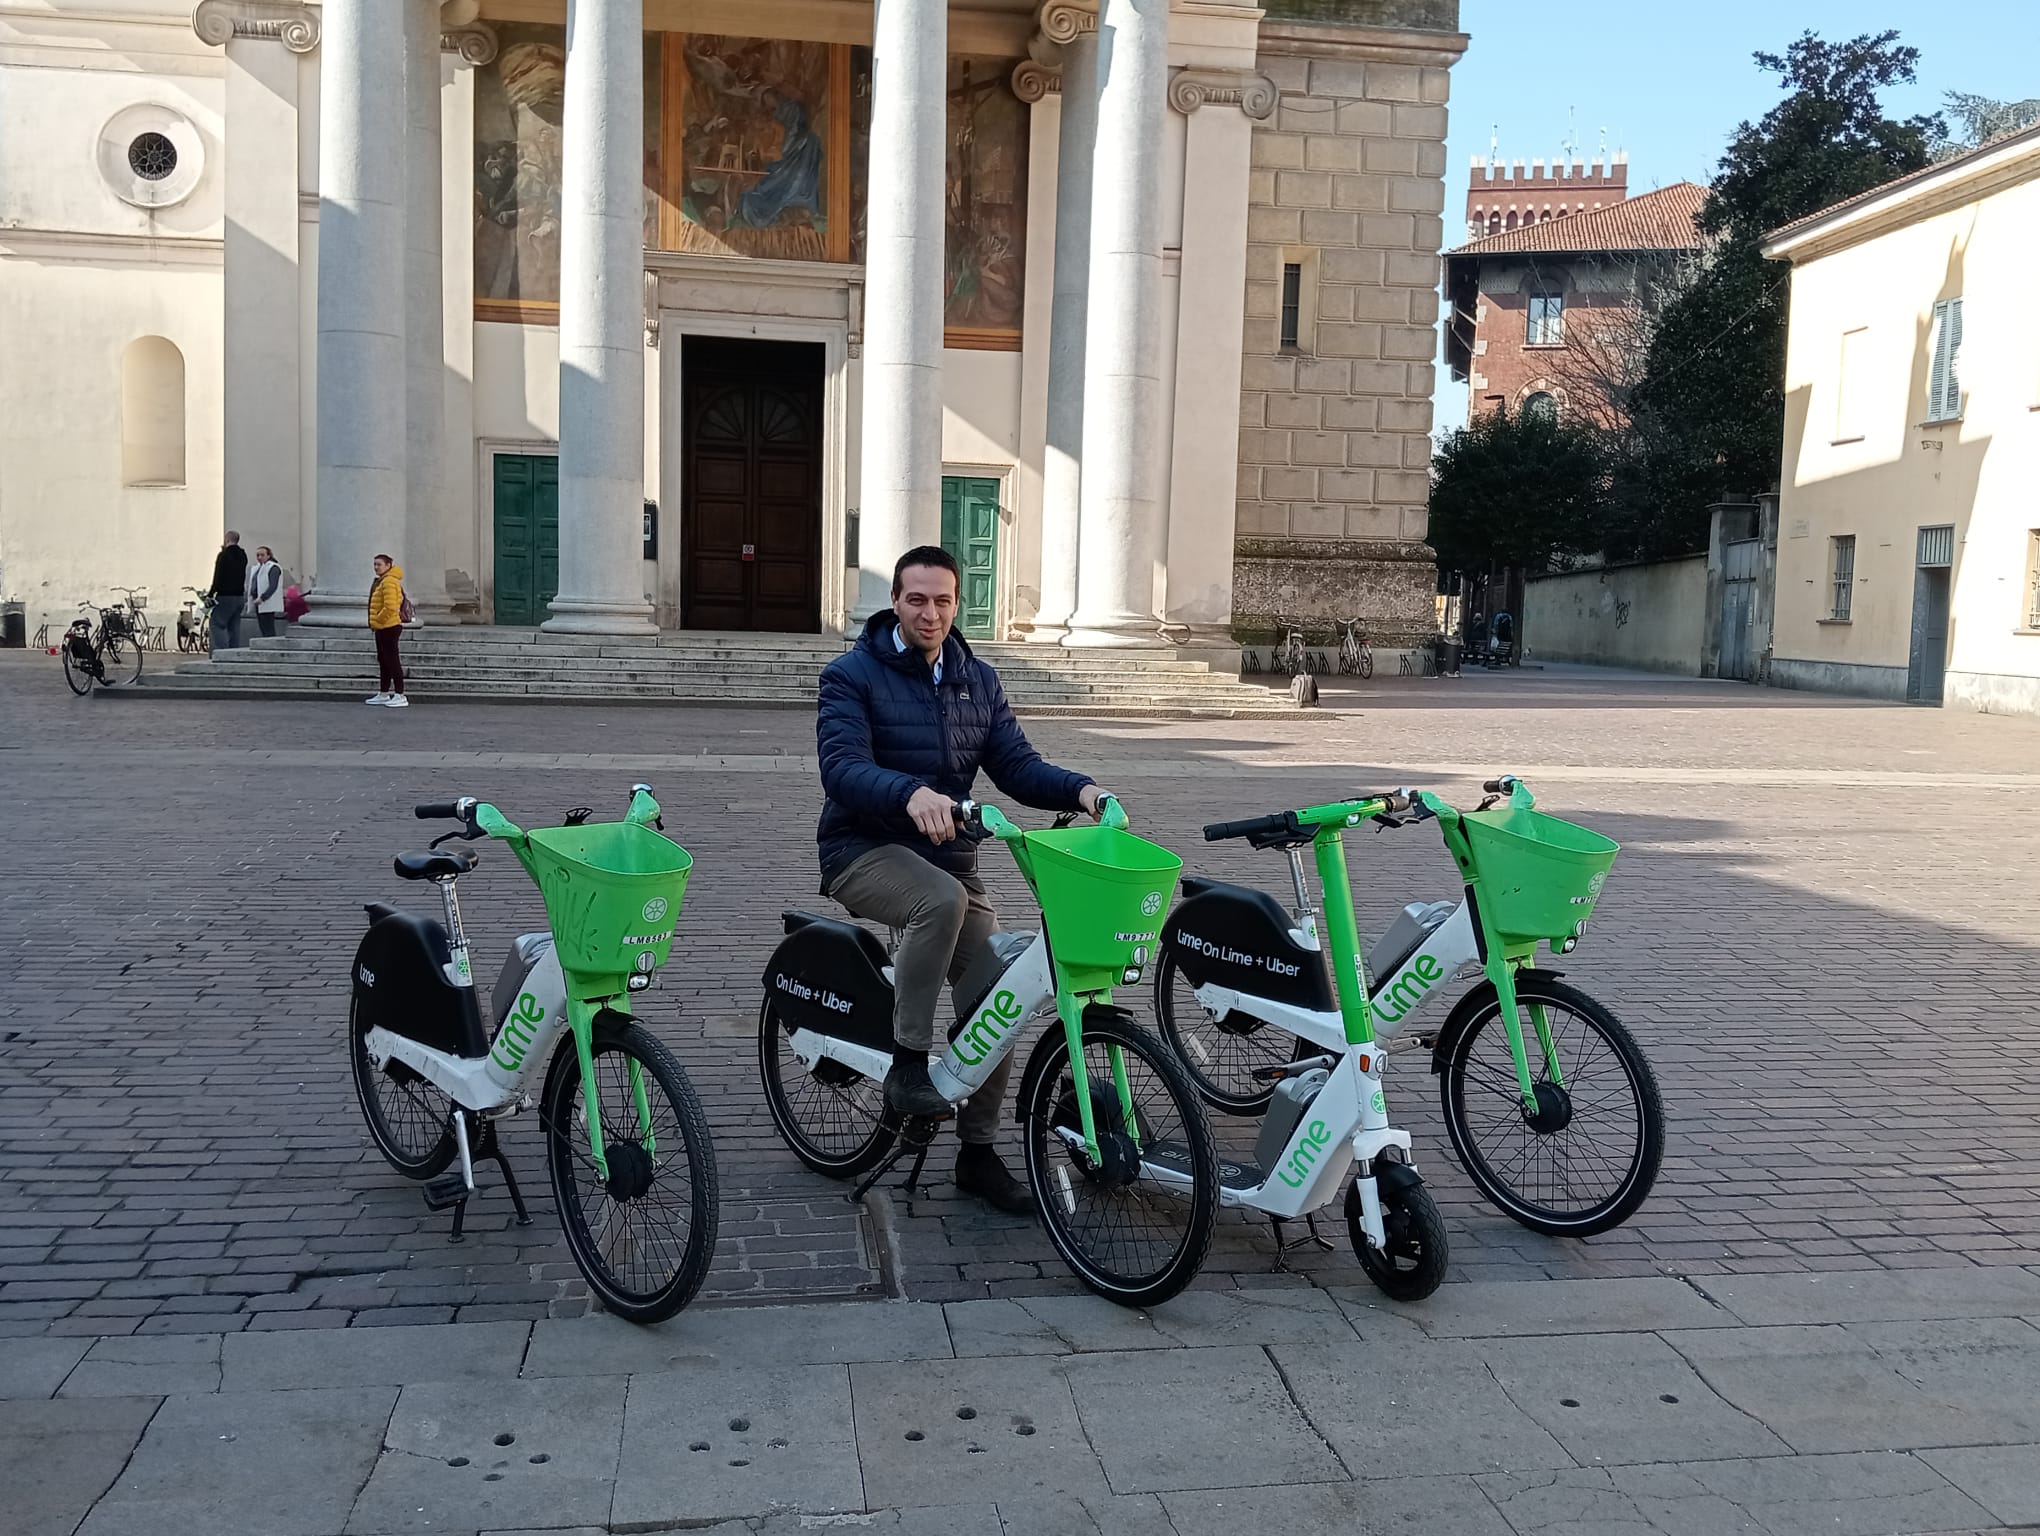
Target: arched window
{"x":152,"y":413}
{"x":1540,"y":406}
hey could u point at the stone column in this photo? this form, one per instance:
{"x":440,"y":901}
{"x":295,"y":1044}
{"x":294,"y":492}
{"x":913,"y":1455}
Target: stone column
{"x":263,"y":488}
{"x":361,"y":447}
{"x":424,"y":319}
{"x":1121,"y":535}
{"x":1062,"y":461}
{"x":900,"y":494}
{"x":602,"y":343}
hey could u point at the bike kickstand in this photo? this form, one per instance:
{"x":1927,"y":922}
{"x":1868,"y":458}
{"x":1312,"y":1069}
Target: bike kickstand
{"x":1285,"y":1246}
{"x":495,"y":1151}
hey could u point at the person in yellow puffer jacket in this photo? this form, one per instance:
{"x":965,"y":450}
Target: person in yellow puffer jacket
{"x":386,"y":605}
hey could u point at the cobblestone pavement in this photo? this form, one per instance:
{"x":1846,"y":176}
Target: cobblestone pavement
{"x":1821,"y":929}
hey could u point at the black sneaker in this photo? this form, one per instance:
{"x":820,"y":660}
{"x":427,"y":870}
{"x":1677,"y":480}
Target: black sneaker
{"x":908,"y":1091}
{"x":980,"y":1172}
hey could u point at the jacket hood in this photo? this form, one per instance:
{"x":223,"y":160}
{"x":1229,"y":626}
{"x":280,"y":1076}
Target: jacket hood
{"x":878,"y":639}
{"x":394,"y":570}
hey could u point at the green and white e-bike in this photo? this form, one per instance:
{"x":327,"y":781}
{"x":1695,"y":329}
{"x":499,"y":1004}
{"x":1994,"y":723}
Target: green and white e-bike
{"x":1560,"y":1126}
{"x":633,"y":1169}
{"x":1124,"y":1168}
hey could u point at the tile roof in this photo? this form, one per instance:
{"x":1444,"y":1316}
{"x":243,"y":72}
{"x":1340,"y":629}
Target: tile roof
{"x":2010,"y":136}
{"x":1653,"y":221}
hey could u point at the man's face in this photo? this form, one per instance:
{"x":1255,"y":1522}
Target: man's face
{"x":926,"y":605}
{"x":382,"y":567}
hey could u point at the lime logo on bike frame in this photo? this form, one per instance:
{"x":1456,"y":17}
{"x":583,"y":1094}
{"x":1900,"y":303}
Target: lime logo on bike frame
{"x":519,"y":1030}
{"x":984,"y":1032}
{"x":1408,"y":989}
{"x":1305,"y":1157}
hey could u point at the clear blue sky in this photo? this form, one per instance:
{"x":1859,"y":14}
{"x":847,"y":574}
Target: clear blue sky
{"x":1670,"y":82}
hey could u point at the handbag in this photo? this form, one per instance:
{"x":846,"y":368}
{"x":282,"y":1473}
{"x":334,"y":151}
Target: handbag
{"x":405,"y":612}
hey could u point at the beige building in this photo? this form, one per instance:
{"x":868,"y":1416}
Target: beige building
{"x":1908,"y":542}
{"x":696,"y":317}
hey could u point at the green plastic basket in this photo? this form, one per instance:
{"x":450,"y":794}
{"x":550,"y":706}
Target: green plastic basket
{"x":1539,"y":876}
{"x":612,"y":892}
{"x":1103,"y":894}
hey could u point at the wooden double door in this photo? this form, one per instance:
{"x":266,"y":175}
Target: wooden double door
{"x":751,"y":507}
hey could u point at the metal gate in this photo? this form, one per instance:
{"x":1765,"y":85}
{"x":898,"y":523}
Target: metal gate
{"x":1738,"y":603}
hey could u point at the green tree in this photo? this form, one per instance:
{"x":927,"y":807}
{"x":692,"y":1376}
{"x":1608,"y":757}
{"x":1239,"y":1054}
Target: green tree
{"x":1708,"y":416}
{"x":1517,"y":491}
{"x":1979,"y":119}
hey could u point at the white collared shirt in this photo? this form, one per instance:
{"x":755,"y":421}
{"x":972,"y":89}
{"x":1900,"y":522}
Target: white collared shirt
{"x":899,"y":640}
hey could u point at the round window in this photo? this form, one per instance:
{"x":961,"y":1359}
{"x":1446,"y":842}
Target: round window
{"x":151,"y":156}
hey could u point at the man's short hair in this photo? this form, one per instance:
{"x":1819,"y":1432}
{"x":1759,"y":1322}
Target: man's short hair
{"x":233,"y":537}
{"x":927,"y":554}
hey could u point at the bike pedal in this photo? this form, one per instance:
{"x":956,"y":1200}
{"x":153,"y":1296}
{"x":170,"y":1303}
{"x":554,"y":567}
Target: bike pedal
{"x":444,"y":1192}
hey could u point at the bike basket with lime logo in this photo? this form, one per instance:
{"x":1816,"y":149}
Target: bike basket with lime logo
{"x":1539,"y":876}
{"x":612,"y":893}
{"x":1103,"y":895}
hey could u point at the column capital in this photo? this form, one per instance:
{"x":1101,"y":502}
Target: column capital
{"x":219,"y":22}
{"x":475,"y":42}
{"x":1254,"y":94}
{"x":1033,"y":80}
{"x":1064,"y":21}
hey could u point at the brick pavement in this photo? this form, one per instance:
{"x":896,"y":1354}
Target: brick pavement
{"x":1820,"y":929}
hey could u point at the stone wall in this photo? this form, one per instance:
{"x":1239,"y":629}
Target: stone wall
{"x":1348,"y":184}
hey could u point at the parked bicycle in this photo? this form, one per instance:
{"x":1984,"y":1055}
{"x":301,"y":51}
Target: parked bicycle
{"x":194,"y":624}
{"x":149,"y":636}
{"x":1124,"y":1168}
{"x":633,"y":1169}
{"x":107,"y":653}
{"x":1356,"y":656}
{"x":1560,"y":1127}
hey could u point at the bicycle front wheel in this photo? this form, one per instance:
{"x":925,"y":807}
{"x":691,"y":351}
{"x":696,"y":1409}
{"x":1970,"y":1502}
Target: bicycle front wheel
{"x":643,"y":1236}
{"x":1589,"y":1156}
{"x":1130,"y":1234}
{"x":1366,"y":662}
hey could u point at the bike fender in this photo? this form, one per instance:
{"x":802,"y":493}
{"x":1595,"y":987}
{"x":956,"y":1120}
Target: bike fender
{"x":1470,"y":1007}
{"x":1038,"y":1059}
{"x":1396,"y":1178}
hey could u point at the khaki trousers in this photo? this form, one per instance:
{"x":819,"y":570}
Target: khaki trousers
{"x":944,"y":924}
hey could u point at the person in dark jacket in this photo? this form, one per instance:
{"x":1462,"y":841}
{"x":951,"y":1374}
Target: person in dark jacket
{"x":905,"y":721}
{"x":229,"y":593}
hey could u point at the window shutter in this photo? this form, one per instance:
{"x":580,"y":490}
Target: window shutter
{"x":1951,"y":383}
{"x":1937,"y":377}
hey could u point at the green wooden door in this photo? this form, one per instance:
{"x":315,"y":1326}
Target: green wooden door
{"x":527,"y":500}
{"x":970,"y":531}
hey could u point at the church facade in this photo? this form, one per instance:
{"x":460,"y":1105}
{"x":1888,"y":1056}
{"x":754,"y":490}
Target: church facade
{"x":668,"y":315}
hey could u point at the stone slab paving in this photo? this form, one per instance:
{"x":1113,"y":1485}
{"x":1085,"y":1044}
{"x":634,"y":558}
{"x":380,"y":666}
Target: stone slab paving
{"x":1285,"y":1424}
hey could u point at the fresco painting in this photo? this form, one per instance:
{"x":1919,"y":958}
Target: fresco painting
{"x":986,"y":213}
{"x":753,"y":178}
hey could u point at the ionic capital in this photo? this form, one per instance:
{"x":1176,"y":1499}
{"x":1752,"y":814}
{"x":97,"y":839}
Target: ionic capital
{"x":1064,"y":21}
{"x":1254,"y":94}
{"x":475,"y":43}
{"x":1032,"y":80}
{"x":219,"y":22}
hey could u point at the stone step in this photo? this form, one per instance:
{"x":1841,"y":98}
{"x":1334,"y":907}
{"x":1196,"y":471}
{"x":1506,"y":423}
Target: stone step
{"x":1017,"y":661}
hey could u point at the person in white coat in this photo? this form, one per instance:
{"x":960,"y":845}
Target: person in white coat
{"x":265,"y":590}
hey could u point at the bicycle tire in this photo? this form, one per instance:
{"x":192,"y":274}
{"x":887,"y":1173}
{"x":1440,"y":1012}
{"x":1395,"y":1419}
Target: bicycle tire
{"x":405,"y":1148}
{"x":1366,"y":661}
{"x":1218,"y":1058}
{"x":121,"y":658}
{"x":1167,"y":1119}
{"x":1413,"y":1263}
{"x":1636,"y":1172}
{"x":840,"y":1156}
{"x":670,"y":1284}
{"x":75,"y":675}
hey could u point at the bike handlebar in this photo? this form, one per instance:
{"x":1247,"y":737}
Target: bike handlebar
{"x":1301,"y":826}
{"x":443,"y":810}
{"x":1280,"y":824}
{"x":1501,"y":786}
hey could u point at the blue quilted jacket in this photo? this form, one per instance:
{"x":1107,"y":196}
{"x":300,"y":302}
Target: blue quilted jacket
{"x":884,"y":727}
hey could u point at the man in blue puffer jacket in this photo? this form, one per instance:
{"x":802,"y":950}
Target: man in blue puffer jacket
{"x":905,"y":721}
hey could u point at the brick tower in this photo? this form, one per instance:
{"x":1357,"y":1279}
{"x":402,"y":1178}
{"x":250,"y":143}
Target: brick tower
{"x":1500,"y":196}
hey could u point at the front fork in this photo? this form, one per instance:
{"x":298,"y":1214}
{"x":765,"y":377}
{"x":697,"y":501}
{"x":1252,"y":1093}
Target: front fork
{"x":1502,"y":972}
{"x":581,"y":1023}
{"x":1070,"y":1008}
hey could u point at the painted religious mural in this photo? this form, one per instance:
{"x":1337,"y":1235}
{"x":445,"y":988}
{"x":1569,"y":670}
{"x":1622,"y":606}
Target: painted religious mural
{"x":753,"y":147}
{"x":519,"y":102}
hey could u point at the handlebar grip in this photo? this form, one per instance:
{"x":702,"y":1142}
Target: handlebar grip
{"x":1497,"y":786}
{"x":438,"y":810}
{"x":1219,"y":831}
{"x":1396,"y":801}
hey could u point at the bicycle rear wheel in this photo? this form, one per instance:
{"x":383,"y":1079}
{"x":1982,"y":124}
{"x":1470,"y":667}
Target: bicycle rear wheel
{"x":1129,"y":1237}
{"x":410,"y":1117}
{"x":832,"y":1116}
{"x":1219,"y":1055}
{"x":75,"y":673}
{"x":643,"y":1237}
{"x":1590,"y":1155}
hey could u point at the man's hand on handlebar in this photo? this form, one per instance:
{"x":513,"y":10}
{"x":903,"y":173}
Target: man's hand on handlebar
{"x":933,"y":813}
{"x":1091,"y":800}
